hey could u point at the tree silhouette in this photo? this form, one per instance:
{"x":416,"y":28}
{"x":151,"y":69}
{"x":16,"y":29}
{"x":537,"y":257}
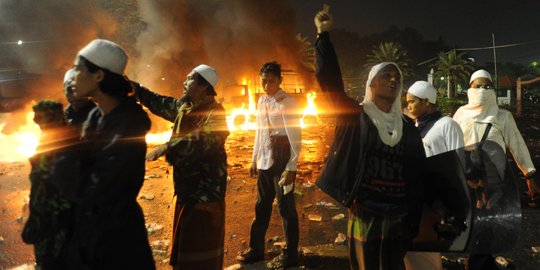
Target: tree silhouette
{"x":454,"y":67}
{"x":390,"y":52}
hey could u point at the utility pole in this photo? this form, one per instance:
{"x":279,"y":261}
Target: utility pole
{"x":495,"y":64}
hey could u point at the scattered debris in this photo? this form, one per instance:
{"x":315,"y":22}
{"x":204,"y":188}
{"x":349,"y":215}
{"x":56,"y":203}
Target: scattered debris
{"x":233,"y":236}
{"x":152,"y":175}
{"x":237,"y":266}
{"x":153,"y":228}
{"x":298,"y":193}
{"x":502,"y":261}
{"x":159,"y":252}
{"x":306,"y":250}
{"x":147,"y":196}
{"x":1,"y":240}
{"x":309,"y":205}
{"x":273,"y":239}
{"x":314,"y":217}
{"x":160,"y":244}
{"x":19,"y":219}
{"x":536,"y":249}
{"x":307,"y":184}
{"x":339,"y":216}
{"x":280,"y":244}
{"x":340,"y":239}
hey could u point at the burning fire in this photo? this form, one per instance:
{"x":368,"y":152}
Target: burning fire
{"x":22,"y":144}
{"x":244,"y":118}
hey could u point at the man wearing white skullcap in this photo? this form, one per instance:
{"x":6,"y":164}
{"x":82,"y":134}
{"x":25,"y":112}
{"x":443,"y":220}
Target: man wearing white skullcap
{"x":103,"y":172}
{"x":440,"y":134}
{"x":375,"y":162}
{"x":196,"y":150}
{"x":482,"y":108}
{"x":474,"y":118}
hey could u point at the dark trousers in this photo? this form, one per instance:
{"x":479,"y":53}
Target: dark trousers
{"x":268,"y":188}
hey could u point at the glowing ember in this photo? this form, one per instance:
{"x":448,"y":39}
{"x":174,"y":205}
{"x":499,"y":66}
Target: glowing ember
{"x":22,"y":144}
{"x":158,"y":138}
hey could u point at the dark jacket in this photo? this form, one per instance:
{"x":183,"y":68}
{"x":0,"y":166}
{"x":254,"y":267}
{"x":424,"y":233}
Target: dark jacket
{"x":76,"y":117}
{"x":103,"y":176}
{"x":343,"y":171}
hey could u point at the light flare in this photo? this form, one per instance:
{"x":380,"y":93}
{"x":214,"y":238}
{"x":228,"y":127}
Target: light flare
{"x":158,"y":138}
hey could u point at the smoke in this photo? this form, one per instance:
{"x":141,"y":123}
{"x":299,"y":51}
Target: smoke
{"x":236,"y":37}
{"x":164,"y":38}
{"x":51,"y":31}
{"x":39,"y":41}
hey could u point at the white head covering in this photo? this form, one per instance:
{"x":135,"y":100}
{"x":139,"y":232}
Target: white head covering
{"x":208,"y":73}
{"x":105,"y":54}
{"x":482,"y":105}
{"x":386,"y":123}
{"x":423,"y":90}
{"x":69,"y":75}
{"x":480,"y":74}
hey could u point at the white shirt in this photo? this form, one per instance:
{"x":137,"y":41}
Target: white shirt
{"x":280,"y":109}
{"x":504,"y":132}
{"x":444,"y":136}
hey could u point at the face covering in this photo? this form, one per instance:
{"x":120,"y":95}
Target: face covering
{"x":481,"y":97}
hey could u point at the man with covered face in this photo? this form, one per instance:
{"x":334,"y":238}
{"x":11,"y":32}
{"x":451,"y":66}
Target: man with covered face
{"x":481,"y":110}
{"x":480,"y":113}
{"x":374,"y":164}
{"x":196,"y":150}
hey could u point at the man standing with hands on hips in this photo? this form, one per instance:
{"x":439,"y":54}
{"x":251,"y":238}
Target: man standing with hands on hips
{"x":275,"y":157}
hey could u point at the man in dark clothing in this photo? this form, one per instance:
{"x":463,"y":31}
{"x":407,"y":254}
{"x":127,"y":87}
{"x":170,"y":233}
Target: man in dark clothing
{"x":104,"y":173}
{"x":196,"y":151}
{"x":375,"y":160}
{"x":48,"y":226}
{"x":79,"y":107}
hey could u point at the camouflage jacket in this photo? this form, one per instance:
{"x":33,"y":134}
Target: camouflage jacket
{"x":197,"y":145}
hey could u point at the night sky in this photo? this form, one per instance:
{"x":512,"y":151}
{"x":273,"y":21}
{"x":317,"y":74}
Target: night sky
{"x":460,"y":23}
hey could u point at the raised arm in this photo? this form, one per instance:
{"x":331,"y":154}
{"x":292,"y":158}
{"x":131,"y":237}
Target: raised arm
{"x":328,"y":72}
{"x":162,"y":106}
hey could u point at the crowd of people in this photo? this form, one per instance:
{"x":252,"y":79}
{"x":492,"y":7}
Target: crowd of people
{"x":90,"y":164}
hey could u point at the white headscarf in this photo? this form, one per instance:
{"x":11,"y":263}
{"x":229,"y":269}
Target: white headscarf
{"x":389,"y":125}
{"x":482,"y":104}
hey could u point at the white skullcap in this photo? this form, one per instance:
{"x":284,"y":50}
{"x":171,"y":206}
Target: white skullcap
{"x":480,"y":74}
{"x":105,"y":54}
{"x":69,"y":75}
{"x":208,"y":73}
{"x":423,"y":90}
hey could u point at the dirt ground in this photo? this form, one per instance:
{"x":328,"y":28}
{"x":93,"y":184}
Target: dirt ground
{"x":156,"y":198}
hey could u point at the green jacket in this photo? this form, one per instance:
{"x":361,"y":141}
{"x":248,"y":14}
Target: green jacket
{"x":197,"y":145}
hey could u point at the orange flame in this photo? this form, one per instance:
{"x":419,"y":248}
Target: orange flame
{"x":22,"y":144}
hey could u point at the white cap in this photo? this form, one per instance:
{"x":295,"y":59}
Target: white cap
{"x":208,"y":73}
{"x":423,"y":90}
{"x":105,"y":54}
{"x":69,"y":75}
{"x":480,"y":74}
